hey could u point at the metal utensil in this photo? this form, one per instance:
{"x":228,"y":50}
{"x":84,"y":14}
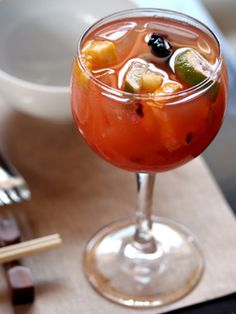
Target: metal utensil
{"x":13,"y":188}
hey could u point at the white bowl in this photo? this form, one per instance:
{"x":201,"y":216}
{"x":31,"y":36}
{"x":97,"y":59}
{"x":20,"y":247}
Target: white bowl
{"x":37,"y":43}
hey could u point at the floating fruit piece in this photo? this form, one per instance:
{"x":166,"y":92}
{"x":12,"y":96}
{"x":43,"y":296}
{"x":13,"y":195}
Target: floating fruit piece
{"x":157,"y":113}
{"x":156,"y":119}
{"x":189,"y":137}
{"x":140,"y":79}
{"x":168,"y":134}
{"x":80,"y":75}
{"x":191,"y":68}
{"x":133,"y":80}
{"x":138,"y":107}
{"x":160,"y":46}
{"x":99,"y":54}
{"x":151,"y":81}
{"x":170,"y":87}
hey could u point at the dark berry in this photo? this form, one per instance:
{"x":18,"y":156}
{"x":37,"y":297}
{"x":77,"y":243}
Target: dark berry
{"x":139,"y":109}
{"x":189,"y":138}
{"x":160,"y":46}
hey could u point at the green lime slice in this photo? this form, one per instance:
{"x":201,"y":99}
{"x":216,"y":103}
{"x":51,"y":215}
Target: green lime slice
{"x":133,"y":79}
{"x":191,"y":68}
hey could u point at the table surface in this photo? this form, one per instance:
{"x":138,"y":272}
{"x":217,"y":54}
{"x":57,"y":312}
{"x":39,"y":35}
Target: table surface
{"x":75,"y":193}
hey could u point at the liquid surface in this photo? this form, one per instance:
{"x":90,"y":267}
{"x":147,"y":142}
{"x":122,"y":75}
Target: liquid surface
{"x":131,"y":42}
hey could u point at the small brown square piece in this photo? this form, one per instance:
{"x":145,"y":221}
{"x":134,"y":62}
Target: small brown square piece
{"x":9,"y":232}
{"x":21,"y":283}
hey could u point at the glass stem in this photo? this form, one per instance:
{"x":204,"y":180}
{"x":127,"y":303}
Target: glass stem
{"x":143,"y":238}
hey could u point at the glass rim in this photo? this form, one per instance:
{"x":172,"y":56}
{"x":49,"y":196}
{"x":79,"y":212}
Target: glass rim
{"x":208,"y":82}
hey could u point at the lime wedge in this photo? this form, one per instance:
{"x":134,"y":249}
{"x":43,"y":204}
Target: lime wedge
{"x":133,"y":80}
{"x":140,"y":78}
{"x":191,"y":68}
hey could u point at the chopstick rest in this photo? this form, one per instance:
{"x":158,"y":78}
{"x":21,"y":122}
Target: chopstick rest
{"x":21,"y":284}
{"x":19,"y":277}
{"x":9,"y":232}
{"x":26,"y":248}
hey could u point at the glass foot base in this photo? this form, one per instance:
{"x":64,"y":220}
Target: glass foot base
{"x":121,"y":273}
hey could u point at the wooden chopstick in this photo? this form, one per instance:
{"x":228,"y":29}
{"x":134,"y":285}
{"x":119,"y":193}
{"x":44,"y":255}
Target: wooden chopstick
{"x":26,"y":248}
{"x":32,"y":242}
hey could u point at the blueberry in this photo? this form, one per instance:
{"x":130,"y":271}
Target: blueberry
{"x":160,"y":46}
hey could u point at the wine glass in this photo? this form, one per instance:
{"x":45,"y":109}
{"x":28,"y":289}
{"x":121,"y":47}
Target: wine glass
{"x":146,"y":261}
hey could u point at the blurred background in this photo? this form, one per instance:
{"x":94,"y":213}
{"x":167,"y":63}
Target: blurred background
{"x":223,"y":13}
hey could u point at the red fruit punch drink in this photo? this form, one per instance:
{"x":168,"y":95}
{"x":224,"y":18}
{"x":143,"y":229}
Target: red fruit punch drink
{"x":160,"y":101}
{"x":149,"y":91}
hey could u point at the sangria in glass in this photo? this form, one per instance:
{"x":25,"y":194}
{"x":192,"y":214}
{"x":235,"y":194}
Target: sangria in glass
{"x":149,"y":91}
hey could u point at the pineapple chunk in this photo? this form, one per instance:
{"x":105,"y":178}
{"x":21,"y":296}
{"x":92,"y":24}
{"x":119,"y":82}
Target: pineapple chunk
{"x":99,"y":54}
{"x":80,"y":76}
{"x":167,"y":88}
{"x":158,"y":115}
{"x":151,"y":81}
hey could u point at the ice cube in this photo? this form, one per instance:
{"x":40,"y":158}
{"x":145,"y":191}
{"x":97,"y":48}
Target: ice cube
{"x":123,"y":35}
{"x":133,"y":79}
{"x":117,"y":32}
{"x":140,"y":66}
{"x":172,"y":32}
{"x":106,"y":76}
{"x":132,"y":63}
{"x":204,"y":48}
